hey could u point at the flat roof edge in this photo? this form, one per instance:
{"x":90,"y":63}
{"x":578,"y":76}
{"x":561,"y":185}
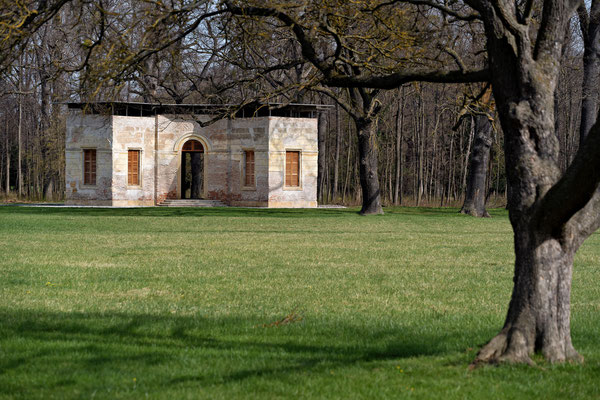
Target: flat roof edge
{"x":297,"y":110}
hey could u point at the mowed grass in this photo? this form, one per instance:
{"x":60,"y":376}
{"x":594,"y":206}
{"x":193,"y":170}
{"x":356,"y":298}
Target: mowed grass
{"x":249,"y":303}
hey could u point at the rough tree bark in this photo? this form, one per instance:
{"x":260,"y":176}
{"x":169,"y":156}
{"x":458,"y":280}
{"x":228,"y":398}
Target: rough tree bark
{"x":369,"y":178}
{"x":364,"y":111}
{"x":478,"y":165}
{"x":549,"y":213}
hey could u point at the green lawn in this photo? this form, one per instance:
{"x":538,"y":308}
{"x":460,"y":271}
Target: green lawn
{"x":237,"y":303}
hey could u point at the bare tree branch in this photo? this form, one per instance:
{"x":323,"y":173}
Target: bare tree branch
{"x":397,"y":79}
{"x":575,"y":189}
{"x":433,"y":4}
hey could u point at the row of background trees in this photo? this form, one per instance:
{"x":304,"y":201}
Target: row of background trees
{"x":424,"y":152}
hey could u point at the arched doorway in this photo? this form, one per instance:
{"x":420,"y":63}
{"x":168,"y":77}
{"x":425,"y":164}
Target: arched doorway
{"x":192,"y":170}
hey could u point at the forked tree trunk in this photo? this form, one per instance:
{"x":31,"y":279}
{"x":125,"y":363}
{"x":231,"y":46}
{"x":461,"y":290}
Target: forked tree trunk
{"x":538,"y":318}
{"x":545,"y":206}
{"x":478,"y":166}
{"x":369,"y":179}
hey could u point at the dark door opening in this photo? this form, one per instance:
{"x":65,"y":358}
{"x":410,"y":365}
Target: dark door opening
{"x":192,"y":170}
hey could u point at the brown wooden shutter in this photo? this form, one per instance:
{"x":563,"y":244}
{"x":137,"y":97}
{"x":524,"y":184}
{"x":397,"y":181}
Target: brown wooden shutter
{"x":249,"y":168}
{"x":292,"y":168}
{"x":133,"y":167}
{"x":89,"y":167}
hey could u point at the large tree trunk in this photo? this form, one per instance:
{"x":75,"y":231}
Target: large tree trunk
{"x":478,"y":165}
{"x":544,"y":206}
{"x":538,"y":318}
{"x":539,"y":312}
{"x":369,"y":179}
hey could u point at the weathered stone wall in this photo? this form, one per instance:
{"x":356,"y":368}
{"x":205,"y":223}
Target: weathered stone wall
{"x":249,"y":134}
{"x":224,"y":144}
{"x":133,"y":133}
{"x":293,"y":134}
{"x":88,"y":132}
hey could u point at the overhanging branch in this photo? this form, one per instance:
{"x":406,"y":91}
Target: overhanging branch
{"x":397,"y":79}
{"x":574,"y":190}
{"x":430,"y":3}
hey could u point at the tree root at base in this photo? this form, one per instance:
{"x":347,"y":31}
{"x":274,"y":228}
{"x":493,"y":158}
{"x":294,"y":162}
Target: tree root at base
{"x":512,"y":348}
{"x":474,"y":213}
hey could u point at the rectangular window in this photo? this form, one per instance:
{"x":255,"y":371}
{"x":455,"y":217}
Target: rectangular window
{"x":133,"y":167}
{"x":89,"y":167}
{"x":249,"y":168}
{"x":292,"y":168}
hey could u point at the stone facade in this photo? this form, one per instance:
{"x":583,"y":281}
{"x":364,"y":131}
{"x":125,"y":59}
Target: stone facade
{"x":160,"y":138}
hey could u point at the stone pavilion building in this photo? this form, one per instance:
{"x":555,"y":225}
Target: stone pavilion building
{"x":140,"y":154}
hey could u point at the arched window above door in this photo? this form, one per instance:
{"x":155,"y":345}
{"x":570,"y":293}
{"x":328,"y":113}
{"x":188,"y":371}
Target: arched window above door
{"x":193,"y":145}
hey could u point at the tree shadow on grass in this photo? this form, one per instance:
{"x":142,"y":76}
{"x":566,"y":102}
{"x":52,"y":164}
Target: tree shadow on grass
{"x":69,"y":348}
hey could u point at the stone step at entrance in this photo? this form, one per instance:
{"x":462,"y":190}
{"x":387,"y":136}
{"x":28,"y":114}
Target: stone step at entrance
{"x":191,"y":203}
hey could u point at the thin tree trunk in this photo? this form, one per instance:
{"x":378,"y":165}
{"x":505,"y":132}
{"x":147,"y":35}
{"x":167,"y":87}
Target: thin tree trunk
{"x":20,"y":129}
{"x":450,"y":168}
{"x":348,"y":165}
{"x":338,"y":139}
{"x":392,"y":171}
{"x":7,"y":156}
{"x":432,"y":165}
{"x":1,"y":170}
{"x":322,"y":138}
{"x":399,"y":132}
{"x":415,"y":151}
{"x":468,"y":153}
{"x":421,"y":148}
{"x":497,"y":175}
